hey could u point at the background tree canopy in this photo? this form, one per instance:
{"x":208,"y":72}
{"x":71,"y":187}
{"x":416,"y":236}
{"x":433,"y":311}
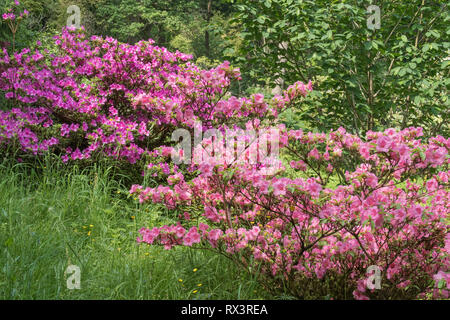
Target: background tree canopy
{"x":364,"y":79}
{"x":394,"y":76}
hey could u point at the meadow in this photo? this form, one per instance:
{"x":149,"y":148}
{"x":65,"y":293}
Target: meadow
{"x":52,"y":216}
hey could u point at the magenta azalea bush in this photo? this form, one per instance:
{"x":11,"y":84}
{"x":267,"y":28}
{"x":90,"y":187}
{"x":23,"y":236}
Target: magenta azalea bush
{"x":332,"y":207}
{"x":98,"y":97}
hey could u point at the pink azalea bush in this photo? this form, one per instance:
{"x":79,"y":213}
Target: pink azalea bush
{"x":315,"y":226}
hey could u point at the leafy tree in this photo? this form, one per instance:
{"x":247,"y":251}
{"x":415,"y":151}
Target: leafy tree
{"x":29,"y":29}
{"x":395,"y":76}
{"x":175,"y":24}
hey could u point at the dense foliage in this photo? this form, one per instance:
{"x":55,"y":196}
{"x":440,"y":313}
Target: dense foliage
{"x":395,"y":75}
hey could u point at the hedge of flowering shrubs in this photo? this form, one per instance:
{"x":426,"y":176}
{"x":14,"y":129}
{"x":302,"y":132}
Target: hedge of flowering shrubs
{"x":332,"y":206}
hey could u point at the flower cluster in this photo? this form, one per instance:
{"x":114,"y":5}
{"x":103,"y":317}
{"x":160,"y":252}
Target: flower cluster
{"x":16,"y":127}
{"x":12,"y":13}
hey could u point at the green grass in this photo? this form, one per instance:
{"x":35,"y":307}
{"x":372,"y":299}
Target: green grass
{"x":52,"y":216}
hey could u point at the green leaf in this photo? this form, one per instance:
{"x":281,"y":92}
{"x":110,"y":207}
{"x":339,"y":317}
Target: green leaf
{"x":417,"y":100}
{"x":422,"y":155}
{"x":228,"y":175}
{"x":9,"y":242}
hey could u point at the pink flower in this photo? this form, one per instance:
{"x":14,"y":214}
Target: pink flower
{"x":365,"y":152}
{"x":143,"y":129}
{"x":259,"y":98}
{"x":415,"y":211}
{"x":297,"y":134}
{"x":372,"y":180}
{"x":403,"y":150}
{"x":180,"y":231}
{"x":361,"y":285}
{"x":359,"y":296}
{"x":215,"y":234}
{"x":279,"y":188}
{"x":135,"y":188}
{"x":383,"y":144}
{"x":371,"y":212}
{"x":337,"y":151}
{"x":77,"y":155}
{"x":432,"y":185}
{"x":9,"y":16}
{"x":253,"y":233}
{"x":314,"y":153}
{"x":301,"y":165}
{"x":436,"y":156}
{"x":313,"y":187}
{"x":203,"y":227}
{"x":378,"y":220}
{"x":191,"y":237}
{"x":211,"y":214}
{"x":208,"y":75}
{"x":166,"y":151}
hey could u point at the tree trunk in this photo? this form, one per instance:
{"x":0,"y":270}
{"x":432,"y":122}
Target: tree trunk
{"x":208,"y":19}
